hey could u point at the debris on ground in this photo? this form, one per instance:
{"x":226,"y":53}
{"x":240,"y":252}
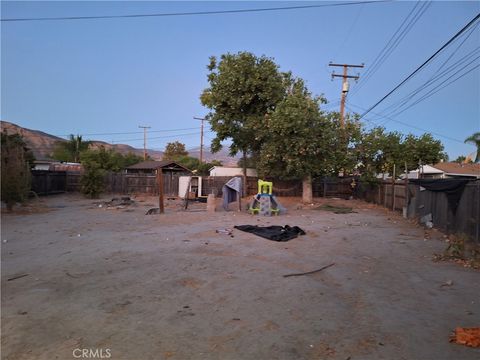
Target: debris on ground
{"x":461,"y":251}
{"x":275,"y":233}
{"x":117,"y":203}
{"x":336,"y":209}
{"x":17,"y":277}
{"x":427,"y":220}
{"x":466,"y":336}
{"x":225,"y":231}
{"x":310,"y":272}
{"x":153,"y":211}
{"x":447,"y":283}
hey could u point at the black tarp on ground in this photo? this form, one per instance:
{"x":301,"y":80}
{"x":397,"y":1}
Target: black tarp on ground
{"x":275,"y":233}
{"x":453,"y":189}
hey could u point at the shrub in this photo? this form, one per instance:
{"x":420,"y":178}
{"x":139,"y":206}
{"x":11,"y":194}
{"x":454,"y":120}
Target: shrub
{"x":92,"y":180}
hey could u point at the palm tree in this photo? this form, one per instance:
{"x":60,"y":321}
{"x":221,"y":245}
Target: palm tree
{"x":76,"y":145}
{"x":70,"y":150}
{"x":475,"y":140}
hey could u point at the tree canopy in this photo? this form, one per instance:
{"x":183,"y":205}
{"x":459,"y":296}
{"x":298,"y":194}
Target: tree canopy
{"x":272,"y":117}
{"x":381,"y":150}
{"x":109,"y":160}
{"x":174,"y":151}
{"x":243,"y":89}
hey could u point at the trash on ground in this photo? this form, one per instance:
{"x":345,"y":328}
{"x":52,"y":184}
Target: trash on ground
{"x":426,"y":218}
{"x":153,"y":211}
{"x":447,"y":283}
{"x":117,"y":203}
{"x":336,"y":209}
{"x":310,"y":272}
{"x":466,"y":336}
{"x":224,"y":231}
{"x":17,"y":277}
{"x":275,"y":233}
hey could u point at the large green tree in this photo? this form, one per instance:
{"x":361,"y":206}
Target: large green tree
{"x":174,"y":151}
{"x":70,"y":150}
{"x":243,"y":88}
{"x":424,"y":149}
{"x":16,"y":161}
{"x":475,"y":140}
{"x":301,"y":140}
{"x":382,"y":151}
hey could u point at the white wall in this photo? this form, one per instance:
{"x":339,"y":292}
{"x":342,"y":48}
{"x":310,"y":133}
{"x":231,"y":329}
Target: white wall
{"x":231,"y":171}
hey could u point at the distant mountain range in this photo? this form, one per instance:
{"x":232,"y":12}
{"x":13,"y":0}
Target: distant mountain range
{"x":42,"y":145}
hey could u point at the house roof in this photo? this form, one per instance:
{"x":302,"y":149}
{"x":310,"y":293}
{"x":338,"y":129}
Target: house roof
{"x":427,"y":169}
{"x":152,"y":165}
{"x":459,"y":169}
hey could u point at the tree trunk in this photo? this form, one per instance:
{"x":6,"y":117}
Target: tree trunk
{"x":244,"y":187}
{"x":307,"y":193}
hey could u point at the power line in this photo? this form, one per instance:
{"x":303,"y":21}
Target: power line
{"x":404,"y":123}
{"x":397,"y":107}
{"x":193,"y":13}
{"x":393,"y":43}
{"x":437,"y":75}
{"x":108,"y":134}
{"x":423,"y":65}
{"x":438,"y":88}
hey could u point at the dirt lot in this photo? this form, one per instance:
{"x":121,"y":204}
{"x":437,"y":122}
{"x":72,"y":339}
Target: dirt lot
{"x":122,"y":285}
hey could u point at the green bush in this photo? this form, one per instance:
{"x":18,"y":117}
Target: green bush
{"x":92,"y":180}
{"x":16,"y":176}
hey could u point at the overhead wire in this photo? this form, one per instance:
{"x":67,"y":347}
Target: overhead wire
{"x":436,"y":76}
{"x":410,"y":20}
{"x":215,"y":12}
{"x":427,"y":95}
{"x":403,"y":123}
{"x":419,"y":68}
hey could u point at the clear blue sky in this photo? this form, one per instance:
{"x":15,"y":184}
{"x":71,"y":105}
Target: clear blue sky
{"x":112,"y":75}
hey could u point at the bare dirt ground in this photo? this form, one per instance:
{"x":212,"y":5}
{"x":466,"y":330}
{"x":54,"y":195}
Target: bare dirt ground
{"x":135,"y":287}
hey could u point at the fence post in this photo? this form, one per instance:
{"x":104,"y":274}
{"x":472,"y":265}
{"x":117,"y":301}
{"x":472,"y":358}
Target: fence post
{"x":477,"y":230}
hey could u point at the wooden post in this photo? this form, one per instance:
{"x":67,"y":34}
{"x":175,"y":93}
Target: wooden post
{"x":393,"y":188}
{"x":406,"y":188}
{"x":160,"y":190}
{"x":187,"y":193}
{"x":243,"y":191}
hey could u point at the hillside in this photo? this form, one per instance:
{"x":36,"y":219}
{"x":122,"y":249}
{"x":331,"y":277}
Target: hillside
{"x":42,"y":145}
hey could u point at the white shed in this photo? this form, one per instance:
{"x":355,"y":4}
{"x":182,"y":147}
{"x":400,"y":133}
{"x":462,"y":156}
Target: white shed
{"x":231,"y":171}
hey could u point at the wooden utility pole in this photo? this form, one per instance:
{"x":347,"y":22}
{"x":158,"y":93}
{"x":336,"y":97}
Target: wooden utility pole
{"x":201,"y":138}
{"x":160,"y":190}
{"x":144,"y":140}
{"x":345,"y":87}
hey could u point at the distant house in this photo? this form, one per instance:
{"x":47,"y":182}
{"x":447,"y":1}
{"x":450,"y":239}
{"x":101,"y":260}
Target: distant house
{"x":456,"y":170}
{"x":231,"y":171}
{"x":52,"y":165}
{"x":446,"y":170}
{"x":426,"y":172}
{"x":151,"y":167}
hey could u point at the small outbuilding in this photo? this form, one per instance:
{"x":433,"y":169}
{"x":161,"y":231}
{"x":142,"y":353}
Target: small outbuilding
{"x":150,"y":168}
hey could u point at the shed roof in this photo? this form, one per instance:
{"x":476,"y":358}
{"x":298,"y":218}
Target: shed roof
{"x":152,"y":165}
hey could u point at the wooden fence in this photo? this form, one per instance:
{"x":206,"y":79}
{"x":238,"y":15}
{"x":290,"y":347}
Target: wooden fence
{"x":417,"y":202}
{"x":394,"y":196}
